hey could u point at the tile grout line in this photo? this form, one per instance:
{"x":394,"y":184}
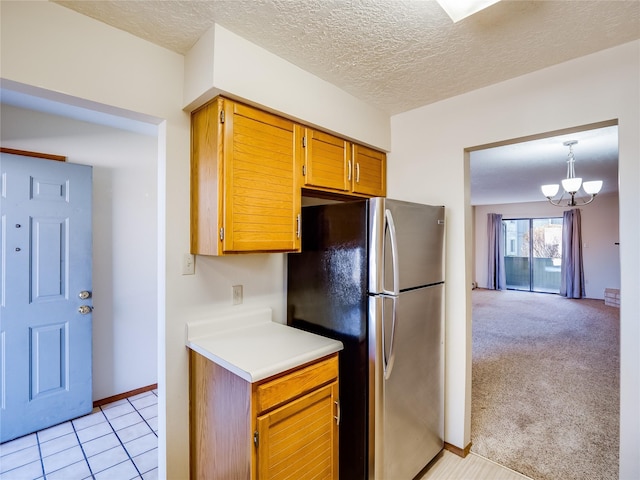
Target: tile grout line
{"x":121,"y":442}
{"x":44,"y":475}
{"x":154,"y":432}
{"x":84,"y":454}
{"x":143,"y":419}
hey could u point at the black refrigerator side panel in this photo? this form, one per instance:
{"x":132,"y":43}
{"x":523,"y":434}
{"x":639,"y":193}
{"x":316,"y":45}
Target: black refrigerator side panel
{"x":327,"y":295}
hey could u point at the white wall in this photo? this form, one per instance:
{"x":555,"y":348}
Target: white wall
{"x":428,"y":163}
{"x":60,"y":52}
{"x":213,"y":66}
{"x":47,"y":46}
{"x":124,"y":238}
{"x":601,"y":255}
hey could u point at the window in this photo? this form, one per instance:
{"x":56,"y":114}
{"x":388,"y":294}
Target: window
{"x":533,"y":253}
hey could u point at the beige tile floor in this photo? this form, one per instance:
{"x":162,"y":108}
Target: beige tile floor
{"x":116,"y":441}
{"x":448,"y":466}
{"x":120,"y":441}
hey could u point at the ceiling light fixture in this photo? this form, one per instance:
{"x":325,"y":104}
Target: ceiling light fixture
{"x":459,"y":9}
{"x":571,"y":184}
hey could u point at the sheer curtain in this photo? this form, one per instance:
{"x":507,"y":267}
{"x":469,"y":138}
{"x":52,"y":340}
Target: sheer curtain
{"x":572,"y":274}
{"x":497,"y":277}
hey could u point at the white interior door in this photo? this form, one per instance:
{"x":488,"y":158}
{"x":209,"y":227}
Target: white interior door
{"x":45,"y":293}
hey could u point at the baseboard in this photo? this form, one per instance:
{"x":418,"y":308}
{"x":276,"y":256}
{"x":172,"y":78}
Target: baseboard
{"x":461,"y":452}
{"x":120,"y":396}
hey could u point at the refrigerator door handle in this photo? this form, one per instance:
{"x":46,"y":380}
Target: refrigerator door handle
{"x":388,"y":360}
{"x":394,"y":252}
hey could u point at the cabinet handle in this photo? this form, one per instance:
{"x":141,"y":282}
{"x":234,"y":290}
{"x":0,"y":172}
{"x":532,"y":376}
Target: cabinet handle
{"x":349,"y":175}
{"x":358,"y":172}
{"x":338,"y":413}
{"x":298,"y":222}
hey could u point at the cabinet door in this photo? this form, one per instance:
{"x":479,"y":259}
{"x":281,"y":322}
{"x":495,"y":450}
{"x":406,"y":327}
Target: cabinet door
{"x":206,"y":179}
{"x":300,"y":439}
{"x":261,"y":191}
{"x":327,"y":161}
{"x":370,"y":171}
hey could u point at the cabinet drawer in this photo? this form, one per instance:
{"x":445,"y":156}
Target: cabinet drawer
{"x":291,"y":385}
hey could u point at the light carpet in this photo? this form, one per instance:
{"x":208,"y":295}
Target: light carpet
{"x":545,"y":398}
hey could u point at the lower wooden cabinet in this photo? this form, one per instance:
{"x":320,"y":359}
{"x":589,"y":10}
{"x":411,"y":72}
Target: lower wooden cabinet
{"x":299,"y":440}
{"x":284,"y":427}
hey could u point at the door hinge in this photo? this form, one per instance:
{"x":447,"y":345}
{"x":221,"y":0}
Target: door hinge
{"x":304,"y":142}
{"x":304,"y":170}
{"x":221,"y":116}
{"x":221,"y":233}
{"x":255,"y":438}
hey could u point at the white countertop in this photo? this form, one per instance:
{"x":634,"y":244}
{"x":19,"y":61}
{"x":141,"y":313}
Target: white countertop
{"x":253,"y":346}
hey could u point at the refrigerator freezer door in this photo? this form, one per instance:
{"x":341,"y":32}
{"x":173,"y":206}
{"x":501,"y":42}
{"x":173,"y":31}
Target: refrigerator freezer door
{"x":327,"y":295}
{"x":408,"y":422}
{"x":419,"y":244}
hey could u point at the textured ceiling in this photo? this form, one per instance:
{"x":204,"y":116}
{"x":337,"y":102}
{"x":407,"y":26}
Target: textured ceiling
{"x":402,"y":54}
{"x":393,"y":54}
{"x":514,"y":173}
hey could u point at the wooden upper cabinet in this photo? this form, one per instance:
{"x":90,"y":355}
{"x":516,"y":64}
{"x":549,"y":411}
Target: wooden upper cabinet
{"x":245,"y":195}
{"x":369,"y":171}
{"x":332,"y":164}
{"x":248,"y":168}
{"x":206,"y":179}
{"x":327,"y":161}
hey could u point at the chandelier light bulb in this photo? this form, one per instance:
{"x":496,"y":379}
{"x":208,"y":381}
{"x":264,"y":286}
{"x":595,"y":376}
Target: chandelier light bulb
{"x":593,"y":187}
{"x":571,"y":185}
{"x":550,"y":190}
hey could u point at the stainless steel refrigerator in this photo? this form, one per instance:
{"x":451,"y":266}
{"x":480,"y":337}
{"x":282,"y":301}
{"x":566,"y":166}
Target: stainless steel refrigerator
{"x":371,"y":274}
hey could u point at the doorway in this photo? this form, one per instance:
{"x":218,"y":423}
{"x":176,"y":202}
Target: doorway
{"x":46,"y":288}
{"x":524,"y":220}
{"x":125,"y":240}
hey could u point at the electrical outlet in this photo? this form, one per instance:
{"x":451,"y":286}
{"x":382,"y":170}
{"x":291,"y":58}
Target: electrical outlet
{"x":188,"y":264}
{"x":237,"y":294}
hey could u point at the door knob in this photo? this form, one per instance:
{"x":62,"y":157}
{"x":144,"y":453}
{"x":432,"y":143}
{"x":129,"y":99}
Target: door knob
{"x":84,"y":309}
{"x":83,"y":295}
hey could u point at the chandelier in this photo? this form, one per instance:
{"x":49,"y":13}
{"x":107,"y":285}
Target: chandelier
{"x":571,"y":184}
